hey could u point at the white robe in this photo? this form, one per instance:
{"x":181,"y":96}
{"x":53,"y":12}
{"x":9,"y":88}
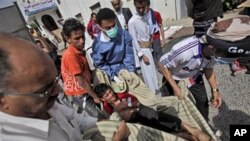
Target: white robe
{"x":139,"y":30}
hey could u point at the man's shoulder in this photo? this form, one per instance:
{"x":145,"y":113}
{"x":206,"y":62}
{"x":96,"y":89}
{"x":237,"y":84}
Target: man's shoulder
{"x":70,"y":55}
{"x":133,"y":19}
{"x":67,"y":53}
{"x":157,"y":14}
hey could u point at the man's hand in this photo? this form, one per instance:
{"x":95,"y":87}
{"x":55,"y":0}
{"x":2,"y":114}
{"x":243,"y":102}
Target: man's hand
{"x":177,"y":92}
{"x":216,"y":100}
{"x":121,"y":106}
{"x":163,"y":43}
{"x":145,"y":59}
{"x":122,"y":132}
{"x":97,"y":100}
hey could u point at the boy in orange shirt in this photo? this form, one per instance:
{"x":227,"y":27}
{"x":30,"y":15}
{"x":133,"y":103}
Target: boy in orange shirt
{"x":75,"y":68}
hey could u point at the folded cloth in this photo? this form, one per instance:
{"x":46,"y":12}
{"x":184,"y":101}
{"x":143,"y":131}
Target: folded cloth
{"x":231,"y":36}
{"x":233,"y":29}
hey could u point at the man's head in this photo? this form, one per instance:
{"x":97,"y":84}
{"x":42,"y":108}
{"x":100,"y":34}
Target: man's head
{"x":106,"y":20}
{"x":116,"y":5}
{"x":74,"y":33}
{"x":141,"y":6}
{"x":148,"y":5}
{"x":26,"y":74}
{"x":93,"y":15}
{"x":105,"y":93}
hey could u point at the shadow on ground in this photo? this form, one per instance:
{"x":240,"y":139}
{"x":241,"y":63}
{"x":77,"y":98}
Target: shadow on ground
{"x":227,"y":117}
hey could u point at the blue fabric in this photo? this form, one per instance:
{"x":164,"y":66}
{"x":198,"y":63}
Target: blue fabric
{"x":114,"y":55}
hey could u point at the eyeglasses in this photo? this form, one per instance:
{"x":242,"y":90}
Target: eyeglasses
{"x":49,"y":90}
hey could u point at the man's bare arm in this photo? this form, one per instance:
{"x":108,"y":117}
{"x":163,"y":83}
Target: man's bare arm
{"x":168,"y":76}
{"x":87,"y":86}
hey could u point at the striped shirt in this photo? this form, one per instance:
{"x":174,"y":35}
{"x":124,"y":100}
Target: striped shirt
{"x":185,"y":59}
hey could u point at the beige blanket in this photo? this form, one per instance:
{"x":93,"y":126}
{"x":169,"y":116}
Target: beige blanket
{"x":184,"y":109}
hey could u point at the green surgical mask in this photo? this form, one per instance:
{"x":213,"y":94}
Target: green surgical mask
{"x":112,"y":32}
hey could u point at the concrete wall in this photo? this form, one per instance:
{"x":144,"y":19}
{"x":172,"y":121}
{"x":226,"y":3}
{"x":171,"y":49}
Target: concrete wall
{"x":13,"y":22}
{"x":169,"y":9}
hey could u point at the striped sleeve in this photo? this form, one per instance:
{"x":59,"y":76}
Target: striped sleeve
{"x":178,"y":55}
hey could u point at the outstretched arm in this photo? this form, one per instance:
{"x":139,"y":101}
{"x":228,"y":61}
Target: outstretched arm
{"x":168,"y":76}
{"x":216,"y":97}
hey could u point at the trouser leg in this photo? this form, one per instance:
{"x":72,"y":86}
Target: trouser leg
{"x":200,"y":95}
{"x":149,"y":117}
{"x":167,"y":89}
{"x":157,"y":53}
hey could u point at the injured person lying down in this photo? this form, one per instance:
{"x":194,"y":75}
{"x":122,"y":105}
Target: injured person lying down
{"x":131,"y":110}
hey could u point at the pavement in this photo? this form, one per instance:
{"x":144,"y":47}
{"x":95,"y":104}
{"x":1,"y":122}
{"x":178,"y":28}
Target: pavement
{"x":234,"y":90}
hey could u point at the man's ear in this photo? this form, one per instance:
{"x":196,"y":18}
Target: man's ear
{"x":68,"y":39}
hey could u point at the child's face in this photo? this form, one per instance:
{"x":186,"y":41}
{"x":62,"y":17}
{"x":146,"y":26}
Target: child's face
{"x":109,"y":96}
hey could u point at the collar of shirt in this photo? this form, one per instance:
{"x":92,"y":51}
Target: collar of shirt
{"x":71,"y":48}
{"x":25,"y":126}
{"x":104,"y":37}
{"x":138,"y":16}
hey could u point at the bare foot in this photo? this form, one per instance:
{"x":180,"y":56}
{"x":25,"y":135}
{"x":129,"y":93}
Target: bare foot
{"x":186,"y":135}
{"x":196,"y":133}
{"x":201,"y":136}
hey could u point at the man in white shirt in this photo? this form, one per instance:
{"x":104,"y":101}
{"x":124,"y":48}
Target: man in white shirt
{"x":190,"y":59}
{"x":139,"y":30}
{"x":123,"y":14}
{"x":28,"y":91}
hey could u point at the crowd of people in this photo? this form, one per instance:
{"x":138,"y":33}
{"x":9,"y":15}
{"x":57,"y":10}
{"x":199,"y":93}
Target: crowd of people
{"x":33,"y":106}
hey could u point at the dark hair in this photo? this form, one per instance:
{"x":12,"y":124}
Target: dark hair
{"x":101,"y":88}
{"x":92,"y":14}
{"x":140,"y":1}
{"x":5,"y":68}
{"x":70,"y":25}
{"x":148,"y":4}
{"x":105,"y":14}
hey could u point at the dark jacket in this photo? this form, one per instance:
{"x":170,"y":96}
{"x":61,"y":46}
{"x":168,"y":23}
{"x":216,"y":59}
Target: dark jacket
{"x":204,"y":10}
{"x":127,"y":15}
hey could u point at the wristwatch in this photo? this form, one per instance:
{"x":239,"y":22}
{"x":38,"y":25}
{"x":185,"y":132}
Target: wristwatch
{"x":215,"y":90}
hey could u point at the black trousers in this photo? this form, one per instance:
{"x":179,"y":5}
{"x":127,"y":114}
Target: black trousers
{"x":199,"y":93}
{"x":157,"y":52}
{"x":158,"y":120}
{"x":201,"y":27}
